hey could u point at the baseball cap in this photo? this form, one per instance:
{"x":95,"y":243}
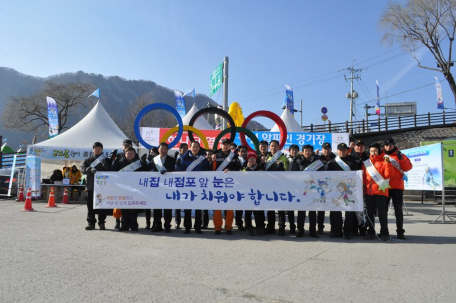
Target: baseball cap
{"x":225,"y":140}
{"x":389,"y":141}
{"x":342,"y":146}
{"x":359,"y":142}
{"x":376,"y":145}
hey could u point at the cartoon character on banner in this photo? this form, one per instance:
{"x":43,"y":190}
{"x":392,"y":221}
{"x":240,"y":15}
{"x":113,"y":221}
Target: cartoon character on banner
{"x":345,"y":192}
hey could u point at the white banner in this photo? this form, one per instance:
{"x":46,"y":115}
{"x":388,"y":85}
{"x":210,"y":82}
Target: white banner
{"x":33,"y":175}
{"x":57,"y":153}
{"x":333,"y":191}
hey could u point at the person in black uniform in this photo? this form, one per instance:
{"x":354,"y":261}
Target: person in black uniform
{"x":89,"y":167}
{"x":326,"y":156}
{"x":242,"y":154}
{"x":183,"y":148}
{"x":300,"y":163}
{"x":336,"y":216}
{"x":129,"y":163}
{"x":162,"y":163}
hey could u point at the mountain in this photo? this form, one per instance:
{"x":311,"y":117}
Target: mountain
{"x":116,"y":95}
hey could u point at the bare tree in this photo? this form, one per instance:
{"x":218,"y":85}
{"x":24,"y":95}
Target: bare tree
{"x":30,"y":113}
{"x":156,"y":118}
{"x":424,"y":23}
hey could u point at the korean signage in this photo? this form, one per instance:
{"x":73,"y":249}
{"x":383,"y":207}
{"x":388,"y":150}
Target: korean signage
{"x":153,"y":135}
{"x":332,"y":191}
{"x":61,"y":153}
{"x":216,"y":79}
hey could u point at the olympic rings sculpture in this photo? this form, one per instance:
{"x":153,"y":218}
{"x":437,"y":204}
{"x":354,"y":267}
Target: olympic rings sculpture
{"x":190,"y":129}
{"x":249,"y":134}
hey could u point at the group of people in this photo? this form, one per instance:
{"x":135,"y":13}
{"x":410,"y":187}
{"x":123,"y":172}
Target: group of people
{"x":73,"y":174}
{"x":380,"y":166}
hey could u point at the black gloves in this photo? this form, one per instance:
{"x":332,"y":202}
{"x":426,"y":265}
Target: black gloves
{"x":150,"y":157}
{"x":93,"y":170}
{"x":112,"y":154}
{"x":399,"y":155}
{"x":143,"y":158}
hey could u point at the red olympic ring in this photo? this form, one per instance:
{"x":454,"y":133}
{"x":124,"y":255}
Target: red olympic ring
{"x":273,"y":117}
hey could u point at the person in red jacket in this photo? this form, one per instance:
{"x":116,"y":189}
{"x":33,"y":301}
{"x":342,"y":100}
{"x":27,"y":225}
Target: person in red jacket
{"x":402,"y":164}
{"x":377,"y":169}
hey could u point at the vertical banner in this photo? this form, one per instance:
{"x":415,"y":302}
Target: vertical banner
{"x":216,"y":79}
{"x":53,"y":117}
{"x":438,"y":88}
{"x":180,"y":103}
{"x":377,"y":104}
{"x":289,"y":96}
{"x":33,"y":175}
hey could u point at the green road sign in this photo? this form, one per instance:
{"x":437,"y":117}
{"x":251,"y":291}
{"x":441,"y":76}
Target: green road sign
{"x":216,"y":79}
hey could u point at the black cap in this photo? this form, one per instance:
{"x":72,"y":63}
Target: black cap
{"x":97,"y":144}
{"x":127,"y":141}
{"x":389,"y":141}
{"x":312,"y":148}
{"x":342,"y":146}
{"x":376,"y":145}
{"x":233,"y":144}
{"x":326,"y":145}
{"x":359,"y":142}
{"x":264,"y":142}
{"x":225,"y":140}
{"x":293,"y":146}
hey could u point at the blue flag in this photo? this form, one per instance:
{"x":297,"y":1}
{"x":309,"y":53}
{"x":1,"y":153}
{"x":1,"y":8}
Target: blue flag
{"x":289,"y":97}
{"x":96,"y":93}
{"x":190,"y":93}
{"x":53,"y":117}
{"x":438,"y":88}
{"x":180,"y":103}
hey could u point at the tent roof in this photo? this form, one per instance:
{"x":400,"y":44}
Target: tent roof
{"x":290,"y":122}
{"x":201,"y":123}
{"x":97,"y":125}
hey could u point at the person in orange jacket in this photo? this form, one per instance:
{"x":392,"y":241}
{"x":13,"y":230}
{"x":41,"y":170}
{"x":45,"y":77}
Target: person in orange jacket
{"x":377,"y":169}
{"x":402,"y":164}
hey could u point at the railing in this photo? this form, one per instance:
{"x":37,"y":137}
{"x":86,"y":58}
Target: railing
{"x":386,"y":123}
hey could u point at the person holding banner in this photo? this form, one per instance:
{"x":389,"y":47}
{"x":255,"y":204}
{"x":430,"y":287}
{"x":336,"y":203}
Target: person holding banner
{"x":193,"y":160}
{"x":276,"y":161}
{"x":129,"y":163}
{"x":343,"y":162}
{"x":326,"y":156}
{"x":89,"y":167}
{"x":183,"y":148}
{"x":251,"y":165}
{"x":162,"y":163}
{"x":307,"y":162}
{"x":402,"y":164}
{"x":226,"y":160}
{"x":377,"y":169}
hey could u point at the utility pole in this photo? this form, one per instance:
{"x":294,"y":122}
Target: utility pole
{"x":352,"y":94}
{"x":225,"y":89}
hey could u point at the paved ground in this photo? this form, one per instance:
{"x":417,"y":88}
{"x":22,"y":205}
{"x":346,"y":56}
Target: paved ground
{"x":47,"y":256}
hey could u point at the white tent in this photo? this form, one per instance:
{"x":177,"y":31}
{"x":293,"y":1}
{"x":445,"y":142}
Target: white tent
{"x":74,"y":145}
{"x":290,"y":122}
{"x":200,"y":123}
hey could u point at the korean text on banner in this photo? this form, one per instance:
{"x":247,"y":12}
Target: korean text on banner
{"x":216,"y":79}
{"x":333,"y":191}
{"x":53,"y":117}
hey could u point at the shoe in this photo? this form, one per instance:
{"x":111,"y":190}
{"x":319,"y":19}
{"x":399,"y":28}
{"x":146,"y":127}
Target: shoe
{"x":217,"y":232}
{"x":229,"y":232}
{"x":313,"y":234}
{"x":336,"y":235}
{"x":362,"y":231}
{"x":101,"y":226}
{"x":156,"y":229}
{"x":293,"y":231}
{"x":167,"y":230}
{"x":281,"y":232}
{"x":187,"y":231}
{"x":354,"y":234}
{"x":269,"y":231}
{"x":123,"y":228}
{"x":204,"y":227}
{"x":241,"y":228}
{"x":251,"y":232}
{"x":90,"y":227}
{"x":401,"y":236}
{"x":198,"y":231}
{"x":134,"y":229}
{"x":117,"y":226}
{"x":386,"y":238}
{"x":177,"y":226}
{"x":320,"y":231}
{"x":300,"y":233}
{"x":147,"y":225}
{"x":369,"y":237}
{"x":347,"y":237}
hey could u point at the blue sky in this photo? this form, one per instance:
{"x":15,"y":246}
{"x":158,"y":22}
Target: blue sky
{"x":177,"y":44}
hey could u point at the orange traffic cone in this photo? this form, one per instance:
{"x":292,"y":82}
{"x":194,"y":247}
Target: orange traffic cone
{"x":51,"y":201}
{"x":21,"y":195}
{"x":28,"y":201}
{"x":65,"y":196}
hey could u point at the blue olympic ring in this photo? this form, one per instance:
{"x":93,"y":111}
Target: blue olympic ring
{"x":150,"y":108}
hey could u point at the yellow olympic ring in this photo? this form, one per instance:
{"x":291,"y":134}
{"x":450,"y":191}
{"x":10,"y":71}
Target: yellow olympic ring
{"x":186,"y":128}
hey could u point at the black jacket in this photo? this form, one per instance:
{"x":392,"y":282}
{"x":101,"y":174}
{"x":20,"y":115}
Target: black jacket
{"x":122,"y":162}
{"x":87,"y":170}
{"x":170,"y":164}
{"x":352,"y":162}
{"x":234,"y":164}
